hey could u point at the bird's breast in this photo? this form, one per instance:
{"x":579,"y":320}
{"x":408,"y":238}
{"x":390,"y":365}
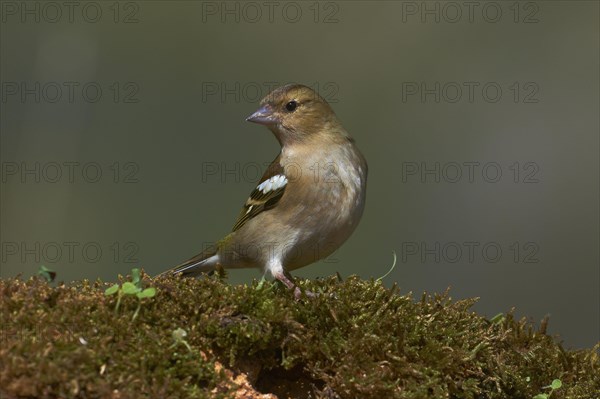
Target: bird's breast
{"x":326,"y":204}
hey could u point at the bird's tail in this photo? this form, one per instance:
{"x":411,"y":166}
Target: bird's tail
{"x":205,"y":262}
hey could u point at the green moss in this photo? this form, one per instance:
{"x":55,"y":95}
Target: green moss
{"x":357,"y":339}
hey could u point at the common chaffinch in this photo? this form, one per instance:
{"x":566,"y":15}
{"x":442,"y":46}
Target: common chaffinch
{"x":308,"y":202}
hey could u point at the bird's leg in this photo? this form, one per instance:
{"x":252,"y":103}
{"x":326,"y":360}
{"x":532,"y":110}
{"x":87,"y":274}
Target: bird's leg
{"x":288,"y":281}
{"x":277,"y":270}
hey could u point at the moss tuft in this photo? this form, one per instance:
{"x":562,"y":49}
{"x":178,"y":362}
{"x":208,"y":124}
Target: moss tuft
{"x":201,"y":338}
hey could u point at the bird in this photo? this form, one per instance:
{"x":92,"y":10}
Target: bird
{"x":309,"y":200}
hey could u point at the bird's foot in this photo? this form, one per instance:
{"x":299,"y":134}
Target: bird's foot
{"x":287,"y":280}
{"x":298,"y":293}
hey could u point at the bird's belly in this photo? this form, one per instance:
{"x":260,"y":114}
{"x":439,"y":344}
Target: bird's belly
{"x":313,"y":246}
{"x":321,"y":234}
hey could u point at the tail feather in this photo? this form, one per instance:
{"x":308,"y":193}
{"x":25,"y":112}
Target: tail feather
{"x":204,"y":262}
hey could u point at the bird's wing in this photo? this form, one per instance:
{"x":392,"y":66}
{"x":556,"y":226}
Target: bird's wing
{"x":266,"y":195}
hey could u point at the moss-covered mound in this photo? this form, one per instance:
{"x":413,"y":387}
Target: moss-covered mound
{"x":205,"y":338}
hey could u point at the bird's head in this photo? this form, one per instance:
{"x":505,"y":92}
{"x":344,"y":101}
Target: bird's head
{"x":297,"y":113}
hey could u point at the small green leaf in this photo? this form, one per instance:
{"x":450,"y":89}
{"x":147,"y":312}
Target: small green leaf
{"x":147,"y":293}
{"x":498,"y":318}
{"x":541,"y":396}
{"x":112,"y":289}
{"x":556,"y":384}
{"x":130,"y":288}
{"x":261,"y":283}
{"x":179,"y":334}
{"x":48,"y":274}
{"x":135,"y":276}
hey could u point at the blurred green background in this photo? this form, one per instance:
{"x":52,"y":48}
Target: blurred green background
{"x":124,"y":144}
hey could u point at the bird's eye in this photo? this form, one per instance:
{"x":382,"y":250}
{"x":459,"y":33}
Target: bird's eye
{"x":291,"y":106}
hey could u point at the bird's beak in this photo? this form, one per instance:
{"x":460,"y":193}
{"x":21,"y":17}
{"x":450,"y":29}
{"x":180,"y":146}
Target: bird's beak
{"x":264,"y":116}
